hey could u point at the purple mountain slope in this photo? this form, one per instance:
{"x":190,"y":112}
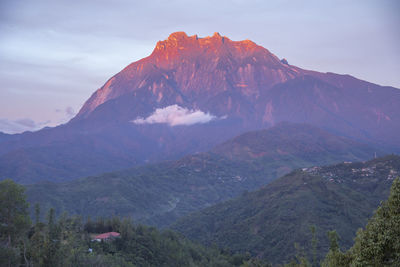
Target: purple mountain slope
{"x":190,"y":94}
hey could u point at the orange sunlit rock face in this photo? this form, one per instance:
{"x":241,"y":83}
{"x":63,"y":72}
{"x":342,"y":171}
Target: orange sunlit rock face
{"x":197,"y":66}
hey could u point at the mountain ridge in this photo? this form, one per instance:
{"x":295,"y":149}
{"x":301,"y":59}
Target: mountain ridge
{"x":241,"y":84}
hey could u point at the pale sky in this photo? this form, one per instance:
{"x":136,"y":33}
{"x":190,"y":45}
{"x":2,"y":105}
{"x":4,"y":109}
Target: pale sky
{"x":55,"y":54}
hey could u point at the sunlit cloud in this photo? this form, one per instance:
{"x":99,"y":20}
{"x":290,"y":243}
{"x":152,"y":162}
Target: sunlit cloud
{"x":175,"y":115}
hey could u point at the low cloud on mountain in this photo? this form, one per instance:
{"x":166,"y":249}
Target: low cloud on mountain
{"x":21,"y":125}
{"x":175,"y":115}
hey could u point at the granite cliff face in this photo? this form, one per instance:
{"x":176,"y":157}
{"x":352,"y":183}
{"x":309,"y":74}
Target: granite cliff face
{"x":190,"y":94}
{"x":211,"y":73}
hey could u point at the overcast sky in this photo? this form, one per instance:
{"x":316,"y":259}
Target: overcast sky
{"x":55,"y":54}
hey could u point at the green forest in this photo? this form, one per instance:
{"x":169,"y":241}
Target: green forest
{"x":268,"y":221}
{"x":67,"y":240}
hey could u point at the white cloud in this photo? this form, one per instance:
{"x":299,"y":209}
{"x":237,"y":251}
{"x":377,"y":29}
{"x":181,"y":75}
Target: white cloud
{"x":175,"y":115}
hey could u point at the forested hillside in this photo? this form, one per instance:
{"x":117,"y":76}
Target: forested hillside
{"x":269,"y":221}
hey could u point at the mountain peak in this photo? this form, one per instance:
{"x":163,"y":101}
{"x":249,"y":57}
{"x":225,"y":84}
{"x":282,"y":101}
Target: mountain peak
{"x":181,"y":39}
{"x":175,"y":40}
{"x":179,"y":42}
{"x":177,"y":36}
{"x":183,"y":67}
{"x":182,"y":35}
{"x":216,"y":35}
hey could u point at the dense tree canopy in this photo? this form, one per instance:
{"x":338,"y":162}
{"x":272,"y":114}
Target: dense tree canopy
{"x":67,"y":241}
{"x":379,"y":243}
{"x":14,"y":221}
{"x":13,"y":211}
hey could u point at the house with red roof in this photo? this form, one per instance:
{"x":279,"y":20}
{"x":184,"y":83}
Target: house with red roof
{"x":106,"y":236}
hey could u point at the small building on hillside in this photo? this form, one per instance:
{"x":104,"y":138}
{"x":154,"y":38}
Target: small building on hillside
{"x":106,"y":236}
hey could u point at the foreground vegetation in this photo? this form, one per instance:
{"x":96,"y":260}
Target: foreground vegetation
{"x":66,"y":241}
{"x":378,"y":244}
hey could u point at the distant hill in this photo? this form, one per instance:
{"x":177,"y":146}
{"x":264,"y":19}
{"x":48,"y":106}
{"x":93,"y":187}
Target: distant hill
{"x":291,"y":140}
{"x":268,"y":222}
{"x":160,"y":193}
{"x":187,"y":96}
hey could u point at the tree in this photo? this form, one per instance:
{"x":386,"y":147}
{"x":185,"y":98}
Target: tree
{"x":333,"y":241}
{"x":14,"y":219}
{"x":300,"y":259}
{"x":335,"y":257}
{"x":379,"y":243}
{"x":37,"y":214}
{"x":52,"y":240}
{"x":314,"y":242}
